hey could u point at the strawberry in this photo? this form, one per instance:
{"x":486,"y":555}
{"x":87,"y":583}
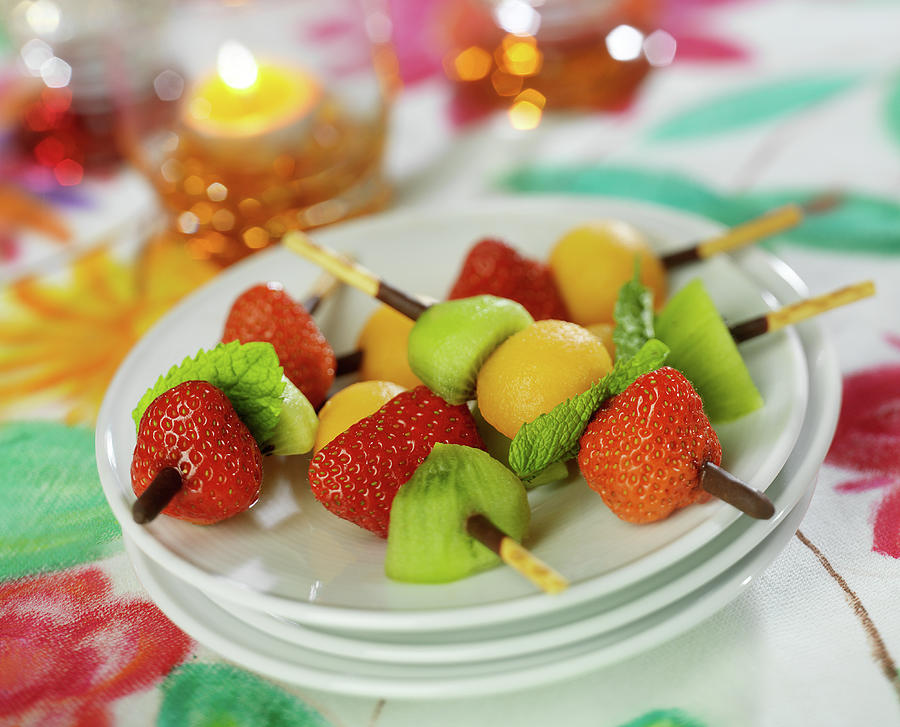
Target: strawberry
{"x":493,"y":267}
{"x":358,"y":473}
{"x":644,"y":449}
{"x":267,"y":313}
{"x":194,"y":428}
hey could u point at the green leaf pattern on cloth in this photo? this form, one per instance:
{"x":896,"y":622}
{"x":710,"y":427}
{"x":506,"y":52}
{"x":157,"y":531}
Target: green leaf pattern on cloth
{"x":861,"y":223}
{"x":664,"y":718}
{"x":216,"y":695}
{"x":751,"y":106}
{"x":54,"y":515}
{"x":892,"y":111}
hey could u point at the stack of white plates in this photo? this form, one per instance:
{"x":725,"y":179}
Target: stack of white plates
{"x":293,"y":592}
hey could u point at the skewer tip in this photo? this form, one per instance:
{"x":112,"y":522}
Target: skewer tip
{"x":158,"y":494}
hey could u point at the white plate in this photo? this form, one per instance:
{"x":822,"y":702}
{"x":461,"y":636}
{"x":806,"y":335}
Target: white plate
{"x":289,"y":557}
{"x":217,"y":629}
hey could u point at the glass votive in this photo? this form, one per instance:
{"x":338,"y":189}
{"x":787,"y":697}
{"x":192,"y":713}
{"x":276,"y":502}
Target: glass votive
{"x":281,"y":122}
{"x":528,"y":55}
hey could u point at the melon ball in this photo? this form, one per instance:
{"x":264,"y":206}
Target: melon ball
{"x":591,"y":262}
{"x":537,"y":368}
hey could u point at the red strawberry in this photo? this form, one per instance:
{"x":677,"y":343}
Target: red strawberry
{"x":194,"y":428}
{"x":644,"y":449}
{"x":493,"y":267}
{"x":267,"y":313}
{"x":358,"y":473}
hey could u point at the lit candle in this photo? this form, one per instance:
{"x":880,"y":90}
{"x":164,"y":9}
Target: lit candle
{"x":245,"y":102}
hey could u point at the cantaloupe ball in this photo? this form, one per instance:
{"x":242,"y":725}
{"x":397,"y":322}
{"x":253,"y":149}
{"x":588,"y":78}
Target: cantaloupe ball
{"x":591,"y":262}
{"x":384,"y":340}
{"x":535,"y":369}
{"x":351,"y":404}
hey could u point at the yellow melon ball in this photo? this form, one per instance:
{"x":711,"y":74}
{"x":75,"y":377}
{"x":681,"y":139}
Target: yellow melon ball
{"x":591,"y":262}
{"x":604,"y":331}
{"x":384,"y":341}
{"x":351,"y":404}
{"x":535,"y":369}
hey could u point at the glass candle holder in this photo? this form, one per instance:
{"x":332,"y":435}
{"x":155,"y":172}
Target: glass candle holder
{"x":525,"y":55}
{"x":281,"y":122}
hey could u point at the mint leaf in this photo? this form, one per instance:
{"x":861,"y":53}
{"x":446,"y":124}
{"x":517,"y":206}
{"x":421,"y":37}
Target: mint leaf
{"x":249,"y":374}
{"x":634,"y":318}
{"x":553,"y":436}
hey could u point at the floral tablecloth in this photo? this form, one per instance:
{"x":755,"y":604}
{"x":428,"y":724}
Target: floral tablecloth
{"x":766,"y":102}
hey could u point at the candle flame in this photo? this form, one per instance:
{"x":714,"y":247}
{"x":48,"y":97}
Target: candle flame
{"x":236,"y":65}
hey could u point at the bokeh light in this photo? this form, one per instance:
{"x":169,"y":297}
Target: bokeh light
{"x":471,"y":64}
{"x":624,"y":43}
{"x":527,"y":110}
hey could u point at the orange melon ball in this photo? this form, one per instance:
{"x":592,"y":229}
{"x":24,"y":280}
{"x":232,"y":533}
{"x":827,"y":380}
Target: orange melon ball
{"x":384,"y":341}
{"x":351,"y":404}
{"x":591,"y":262}
{"x":537,"y":368}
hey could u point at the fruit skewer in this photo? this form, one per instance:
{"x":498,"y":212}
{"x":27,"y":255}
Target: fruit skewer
{"x":414,"y":472}
{"x":206,"y":479}
{"x":169,"y":480}
{"x":413,"y":306}
{"x":743,"y":331}
{"x":724,"y":486}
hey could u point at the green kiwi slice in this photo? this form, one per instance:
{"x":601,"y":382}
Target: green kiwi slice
{"x":295,"y":432}
{"x":427,"y":537}
{"x":701,"y":347}
{"x":451,"y":340}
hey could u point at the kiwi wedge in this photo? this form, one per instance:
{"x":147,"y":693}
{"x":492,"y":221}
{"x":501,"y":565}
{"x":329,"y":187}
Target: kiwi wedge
{"x":451,"y":340}
{"x":295,"y":432}
{"x":701,"y":347}
{"x":427,"y":537}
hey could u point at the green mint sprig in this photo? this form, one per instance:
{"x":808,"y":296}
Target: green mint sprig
{"x":633,"y":315}
{"x":249,"y":374}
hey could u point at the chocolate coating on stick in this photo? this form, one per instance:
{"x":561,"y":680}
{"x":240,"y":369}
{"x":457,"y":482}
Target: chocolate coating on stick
{"x":348,"y":363}
{"x":730,"y":489}
{"x":749,"y":329}
{"x":824,"y":202}
{"x":485,"y":532}
{"x":680,"y":257}
{"x":312,"y":303}
{"x":158,"y":494}
{"x":401,"y":302}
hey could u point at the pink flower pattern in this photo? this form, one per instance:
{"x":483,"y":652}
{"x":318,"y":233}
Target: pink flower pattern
{"x":867,"y":441}
{"x":69,"y":646}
